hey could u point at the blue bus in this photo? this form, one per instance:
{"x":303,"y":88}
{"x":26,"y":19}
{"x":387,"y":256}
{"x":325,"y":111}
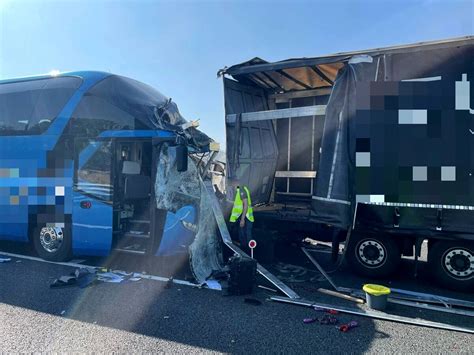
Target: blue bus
{"x":79,"y":154}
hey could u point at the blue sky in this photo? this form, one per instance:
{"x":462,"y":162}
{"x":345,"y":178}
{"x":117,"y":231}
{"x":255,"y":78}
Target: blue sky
{"x":178,"y":46}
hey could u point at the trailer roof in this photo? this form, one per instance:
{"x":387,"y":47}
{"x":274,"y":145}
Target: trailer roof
{"x":312,"y":73}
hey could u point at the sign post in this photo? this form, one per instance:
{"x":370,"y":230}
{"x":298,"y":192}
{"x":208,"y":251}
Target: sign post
{"x":252,"y":245}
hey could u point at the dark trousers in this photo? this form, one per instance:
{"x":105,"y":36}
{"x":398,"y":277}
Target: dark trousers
{"x":245,"y":233}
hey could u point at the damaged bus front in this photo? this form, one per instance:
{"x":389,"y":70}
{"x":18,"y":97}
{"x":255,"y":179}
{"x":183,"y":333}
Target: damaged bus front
{"x":375,"y":145}
{"x":92,"y":162}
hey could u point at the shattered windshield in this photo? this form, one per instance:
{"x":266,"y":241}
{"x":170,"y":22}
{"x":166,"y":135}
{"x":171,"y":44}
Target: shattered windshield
{"x":178,"y":191}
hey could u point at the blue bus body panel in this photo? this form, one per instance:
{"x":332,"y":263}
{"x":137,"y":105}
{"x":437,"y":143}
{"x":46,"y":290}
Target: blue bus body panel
{"x":12,"y":223}
{"x":22,"y":157}
{"x":176,"y":238}
{"x":91,"y":227}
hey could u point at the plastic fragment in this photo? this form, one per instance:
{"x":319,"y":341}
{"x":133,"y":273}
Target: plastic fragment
{"x":328,"y":320}
{"x":346,"y":327}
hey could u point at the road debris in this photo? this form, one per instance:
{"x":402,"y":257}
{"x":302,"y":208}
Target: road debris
{"x":321,"y":270}
{"x":340,"y":295}
{"x":348,"y":326}
{"x":374,"y":314}
{"x":64,"y":281}
{"x":213,"y":285}
{"x":84,"y":277}
{"x":328,"y":320}
{"x":267,"y":288}
{"x":425,"y":301}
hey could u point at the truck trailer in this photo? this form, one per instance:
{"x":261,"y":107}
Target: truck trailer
{"x":374,"y":148}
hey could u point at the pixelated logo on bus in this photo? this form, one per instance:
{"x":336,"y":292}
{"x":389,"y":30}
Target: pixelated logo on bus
{"x":24,"y":189}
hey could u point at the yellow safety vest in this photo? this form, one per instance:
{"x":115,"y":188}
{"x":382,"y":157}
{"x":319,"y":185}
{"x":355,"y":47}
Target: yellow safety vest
{"x":239,"y":206}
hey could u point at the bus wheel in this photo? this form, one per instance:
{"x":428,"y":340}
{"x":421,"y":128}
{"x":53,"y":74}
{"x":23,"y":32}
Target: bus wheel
{"x":52,"y":243}
{"x":452,"y":264}
{"x":373,"y":255}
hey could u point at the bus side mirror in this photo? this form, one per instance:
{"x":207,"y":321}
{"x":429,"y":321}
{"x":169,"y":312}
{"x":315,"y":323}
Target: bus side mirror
{"x":181,"y":158}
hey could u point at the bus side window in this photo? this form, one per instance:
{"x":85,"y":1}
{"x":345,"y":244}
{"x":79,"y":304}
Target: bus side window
{"x":94,"y":170}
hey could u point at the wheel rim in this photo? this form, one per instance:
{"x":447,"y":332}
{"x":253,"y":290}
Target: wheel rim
{"x":371,"y":253}
{"x":51,"y":238}
{"x":459,"y":263}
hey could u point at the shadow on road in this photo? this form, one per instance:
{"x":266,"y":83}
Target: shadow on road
{"x":199,"y":318}
{"x":206,"y":319}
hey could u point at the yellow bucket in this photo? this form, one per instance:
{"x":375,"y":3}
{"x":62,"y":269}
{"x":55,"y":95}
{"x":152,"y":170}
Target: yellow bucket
{"x":376,"y":296}
{"x":376,"y":290}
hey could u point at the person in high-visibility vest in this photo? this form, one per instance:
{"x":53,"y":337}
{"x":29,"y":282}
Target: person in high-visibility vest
{"x":242,"y":212}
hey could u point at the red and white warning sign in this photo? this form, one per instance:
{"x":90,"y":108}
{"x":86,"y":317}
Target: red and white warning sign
{"x":252,"y":245}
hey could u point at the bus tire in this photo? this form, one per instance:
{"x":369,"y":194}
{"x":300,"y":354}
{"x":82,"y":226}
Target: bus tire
{"x":452,"y":264}
{"x":373,"y":255}
{"x":52,"y":243}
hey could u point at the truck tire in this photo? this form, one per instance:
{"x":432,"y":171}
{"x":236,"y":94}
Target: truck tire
{"x":52,"y":243}
{"x":452,"y":264}
{"x":371,"y":255}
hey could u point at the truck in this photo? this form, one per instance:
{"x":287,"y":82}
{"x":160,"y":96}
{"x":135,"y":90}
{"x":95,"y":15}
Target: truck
{"x":373,"y":148}
{"x":89,"y":164}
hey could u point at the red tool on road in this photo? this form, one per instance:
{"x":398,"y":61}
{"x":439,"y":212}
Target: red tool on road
{"x":346,"y":327}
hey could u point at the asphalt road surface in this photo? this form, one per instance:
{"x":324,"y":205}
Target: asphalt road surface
{"x":146,"y":316}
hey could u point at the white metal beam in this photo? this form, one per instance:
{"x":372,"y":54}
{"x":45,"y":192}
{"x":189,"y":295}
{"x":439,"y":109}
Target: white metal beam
{"x":305,"y":111}
{"x":295,"y":174}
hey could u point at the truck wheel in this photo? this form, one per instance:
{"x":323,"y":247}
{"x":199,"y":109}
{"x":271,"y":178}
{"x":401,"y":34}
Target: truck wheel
{"x":52,"y":243}
{"x":373,"y":255}
{"x":452,"y":264}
